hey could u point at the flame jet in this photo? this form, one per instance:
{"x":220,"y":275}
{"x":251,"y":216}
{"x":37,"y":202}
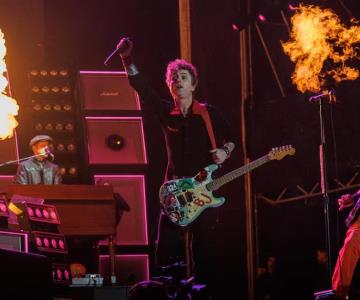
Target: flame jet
{"x":320,"y":46}
{"x":8,"y":106}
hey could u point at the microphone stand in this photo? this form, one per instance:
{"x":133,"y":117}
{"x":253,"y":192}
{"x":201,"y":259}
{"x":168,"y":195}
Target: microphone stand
{"x":323,"y":171}
{"x":16,"y":161}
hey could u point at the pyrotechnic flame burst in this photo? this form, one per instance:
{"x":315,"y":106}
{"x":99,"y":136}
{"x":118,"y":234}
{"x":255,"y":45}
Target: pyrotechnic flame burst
{"x":8,"y":106}
{"x":318,"y":37}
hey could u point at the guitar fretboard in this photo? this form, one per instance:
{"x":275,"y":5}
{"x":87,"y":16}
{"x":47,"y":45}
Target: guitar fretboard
{"x":218,"y":182}
{"x":354,"y":213}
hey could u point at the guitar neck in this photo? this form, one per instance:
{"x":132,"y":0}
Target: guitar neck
{"x":218,"y":182}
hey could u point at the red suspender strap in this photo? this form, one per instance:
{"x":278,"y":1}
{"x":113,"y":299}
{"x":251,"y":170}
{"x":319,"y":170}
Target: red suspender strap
{"x":200,"y":108}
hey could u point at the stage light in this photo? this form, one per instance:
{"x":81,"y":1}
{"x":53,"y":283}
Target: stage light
{"x":62,"y":171}
{"x":47,"y":107}
{"x":115,"y":142}
{"x":34,"y":72}
{"x":71,"y":147}
{"x":37,"y":107}
{"x":34,"y":213}
{"x":54,"y":243}
{"x":234,"y":27}
{"x":46,"y":214}
{"x":38,"y":213}
{"x":35,"y":89}
{"x":72,"y":171}
{"x":57,"y":107}
{"x":38,"y":126}
{"x":261,"y":18}
{"x":50,"y":242}
{"x":4,"y":213}
{"x":67,"y":107}
{"x":61,"y":273}
{"x":45,"y":89}
{"x":61,"y":244}
{"x":60,"y":147}
{"x":53,"y":99}
{"x":3,"y":208}
{"x":64,"y":73}
{"x":68,"y":170}
{"x":69,"y":127}
{"x":38,"y":242}
{"x":59,"y":127}
{"x":65,"y":89}
{"x":54,"y":72}
{"x":49,"y":127}
{"x":30,"y":212}
{"x":55,"y":89}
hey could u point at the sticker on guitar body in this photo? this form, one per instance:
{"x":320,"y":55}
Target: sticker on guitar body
{"x":200,"y":202}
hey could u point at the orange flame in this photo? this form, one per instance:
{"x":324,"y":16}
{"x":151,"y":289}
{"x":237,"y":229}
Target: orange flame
{"x":8,"y":106}
{"x":317,"y":35}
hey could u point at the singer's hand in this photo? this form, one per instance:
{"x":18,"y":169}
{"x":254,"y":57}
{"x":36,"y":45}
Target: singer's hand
{"x":345,"y":201}
{"x":125,"y":47}
{"x":218,"y":155}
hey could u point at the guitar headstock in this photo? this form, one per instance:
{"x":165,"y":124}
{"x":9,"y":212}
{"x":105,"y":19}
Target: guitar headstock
{"x":279,"y":153}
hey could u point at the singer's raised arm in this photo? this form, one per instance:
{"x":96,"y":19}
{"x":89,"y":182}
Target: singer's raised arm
{"x":150,"y":99}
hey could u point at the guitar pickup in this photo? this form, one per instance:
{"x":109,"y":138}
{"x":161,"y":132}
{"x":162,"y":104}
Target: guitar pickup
{"x":181,"y":200}
{"x":188,"y":196}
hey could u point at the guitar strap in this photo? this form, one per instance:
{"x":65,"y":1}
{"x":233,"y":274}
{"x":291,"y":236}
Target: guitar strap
{"x":200,"y":109}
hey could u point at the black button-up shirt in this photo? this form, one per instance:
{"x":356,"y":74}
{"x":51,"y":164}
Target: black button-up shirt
{"x":187,"y":139}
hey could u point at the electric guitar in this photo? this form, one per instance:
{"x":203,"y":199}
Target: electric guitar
{"x":183,"y":200}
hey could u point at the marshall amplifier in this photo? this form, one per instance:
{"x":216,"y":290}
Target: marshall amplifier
{"x":107,"y":91}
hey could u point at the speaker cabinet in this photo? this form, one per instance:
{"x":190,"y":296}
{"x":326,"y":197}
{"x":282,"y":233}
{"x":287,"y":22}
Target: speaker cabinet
{"x":115,"y":140}
{"x":132,"y":228}
{"x":104,"y":90}
{"x":128,"y":268}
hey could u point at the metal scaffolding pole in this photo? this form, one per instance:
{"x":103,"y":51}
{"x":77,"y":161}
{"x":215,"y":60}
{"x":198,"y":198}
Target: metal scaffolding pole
{"x":246,"y":95}
{"x":185,"y":53}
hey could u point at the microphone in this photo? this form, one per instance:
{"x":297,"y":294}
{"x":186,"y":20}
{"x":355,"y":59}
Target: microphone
{"x":110,"y":56}
{"x":329,"y":93}
{"x":125,"y":41}
{"x":49,"y":153}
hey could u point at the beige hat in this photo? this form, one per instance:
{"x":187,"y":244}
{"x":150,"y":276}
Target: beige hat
{"x":39,"y":138}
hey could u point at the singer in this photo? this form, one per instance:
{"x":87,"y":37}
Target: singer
{"x":196,"y":135}
{"x":39,"y":169}
{"x":349,"y":254}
